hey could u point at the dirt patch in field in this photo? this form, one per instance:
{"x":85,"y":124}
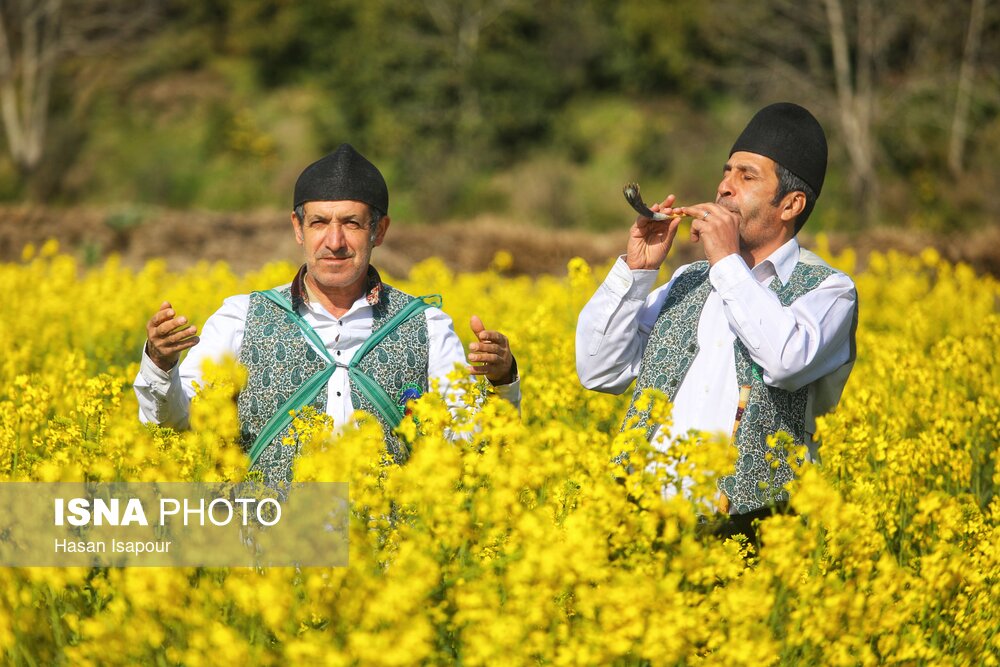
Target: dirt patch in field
{"x":249,"y":240}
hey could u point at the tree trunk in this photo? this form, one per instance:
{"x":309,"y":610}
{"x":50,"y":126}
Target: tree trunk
{"x":855,"y":101}
{"x":26,"y":79}
{"x":960,"y":121}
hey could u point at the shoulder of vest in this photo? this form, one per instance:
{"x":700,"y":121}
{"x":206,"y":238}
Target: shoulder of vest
{"x":809,"y":272}
{"x":284,"y":290}
{"x":389,"y":289}
{"x":701,"y":266}
{"x":395,"y":297}
{"x":814,"y":263}
{"x":257,"y":299}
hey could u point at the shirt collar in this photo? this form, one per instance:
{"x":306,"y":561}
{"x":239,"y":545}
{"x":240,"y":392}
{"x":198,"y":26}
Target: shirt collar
{"x":373,"y":290}
{"x":299,"y":295}
{"x":781,"y":262}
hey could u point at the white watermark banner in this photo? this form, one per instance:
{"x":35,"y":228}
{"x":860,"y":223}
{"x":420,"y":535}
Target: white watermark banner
{"x":162,"y":524}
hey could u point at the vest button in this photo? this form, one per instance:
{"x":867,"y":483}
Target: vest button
{"x":673,"y":383}
{"x":691,"y":348}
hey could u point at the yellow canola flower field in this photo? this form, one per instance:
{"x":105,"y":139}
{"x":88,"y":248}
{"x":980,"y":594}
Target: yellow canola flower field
{"x":522,"y":542}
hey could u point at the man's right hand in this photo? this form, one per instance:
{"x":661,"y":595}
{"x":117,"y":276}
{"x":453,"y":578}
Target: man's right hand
{"x":649,"y":240}
{"x":167,"y":337}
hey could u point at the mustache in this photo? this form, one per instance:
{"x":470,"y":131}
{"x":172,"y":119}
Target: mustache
{"x":335,"y":254}
{"x":728,"y":203}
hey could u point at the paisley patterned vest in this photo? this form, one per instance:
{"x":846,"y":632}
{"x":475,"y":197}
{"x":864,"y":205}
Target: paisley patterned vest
{"x":279,"y":359}
{"x":672,"y":347}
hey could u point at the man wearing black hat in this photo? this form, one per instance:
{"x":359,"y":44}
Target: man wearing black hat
{"x":755,"y":339}
{"x":336,"y":337}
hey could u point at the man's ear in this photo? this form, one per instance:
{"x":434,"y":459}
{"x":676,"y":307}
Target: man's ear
{"x":381,"y":228}
{"x":297,"y":226}
{"x":792,"y":205}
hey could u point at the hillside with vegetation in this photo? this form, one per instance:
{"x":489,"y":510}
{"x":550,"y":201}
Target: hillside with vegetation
{"x":176,"y":128}
{"x":527,"y":112}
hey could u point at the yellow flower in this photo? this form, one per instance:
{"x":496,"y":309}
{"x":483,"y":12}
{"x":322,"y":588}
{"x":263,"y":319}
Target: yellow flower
{"x":508,"y":539}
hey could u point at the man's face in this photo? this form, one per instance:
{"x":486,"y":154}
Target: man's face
{"x":337,"y":240}
{"x":749,"y":183}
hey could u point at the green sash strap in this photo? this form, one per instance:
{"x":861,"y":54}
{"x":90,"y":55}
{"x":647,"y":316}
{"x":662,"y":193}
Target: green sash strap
{"x":390,"y":412}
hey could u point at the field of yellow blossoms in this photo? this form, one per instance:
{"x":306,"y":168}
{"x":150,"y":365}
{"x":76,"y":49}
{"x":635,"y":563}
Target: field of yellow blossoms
{"x":522,"y":543}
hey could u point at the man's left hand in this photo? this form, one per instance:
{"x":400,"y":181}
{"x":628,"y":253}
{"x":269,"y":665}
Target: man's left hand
{"x":490,"y":354}
{"x":716,"y":228}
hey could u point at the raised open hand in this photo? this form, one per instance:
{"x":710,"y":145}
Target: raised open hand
{"x":167,"y":336}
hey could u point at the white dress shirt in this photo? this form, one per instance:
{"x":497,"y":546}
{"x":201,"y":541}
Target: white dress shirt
{"x":165,"y":397}
{"x":807,"y":343}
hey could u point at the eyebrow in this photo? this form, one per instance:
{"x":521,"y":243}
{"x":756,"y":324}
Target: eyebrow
{"x":319,"y":217}
{"x":742,"y":166}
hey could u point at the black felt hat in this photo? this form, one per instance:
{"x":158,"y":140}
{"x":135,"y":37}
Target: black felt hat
{"x":792,"y":137}
{"x":343,"y":174}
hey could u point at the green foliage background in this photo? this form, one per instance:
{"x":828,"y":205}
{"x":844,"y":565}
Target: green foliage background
{"x":537,"y":111}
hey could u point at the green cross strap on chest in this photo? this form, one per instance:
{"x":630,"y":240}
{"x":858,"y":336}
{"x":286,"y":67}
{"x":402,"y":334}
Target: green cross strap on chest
{"x":389,"y":411}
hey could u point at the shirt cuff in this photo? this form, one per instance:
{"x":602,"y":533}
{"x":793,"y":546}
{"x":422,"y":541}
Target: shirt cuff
{"x":512,"y":390}
{"x":626,"y":283}
{"x":726,"y":274}
{"x":157,"y":378}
